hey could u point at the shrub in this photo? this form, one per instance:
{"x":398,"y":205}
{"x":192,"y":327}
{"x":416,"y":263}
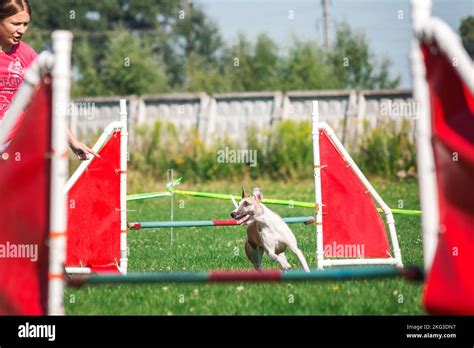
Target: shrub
{"x":283,"y":153}
{"x":388,"y":152}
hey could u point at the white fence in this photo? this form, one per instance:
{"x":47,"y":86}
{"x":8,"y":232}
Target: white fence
{"x":231,"y":114}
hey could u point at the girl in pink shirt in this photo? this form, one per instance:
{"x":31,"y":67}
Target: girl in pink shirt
{"x":15,"y":57}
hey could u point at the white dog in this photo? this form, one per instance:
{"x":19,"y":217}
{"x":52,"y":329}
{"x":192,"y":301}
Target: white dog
{"x":266,"y":231}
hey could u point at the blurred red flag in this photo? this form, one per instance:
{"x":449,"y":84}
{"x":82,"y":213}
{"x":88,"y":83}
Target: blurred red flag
{"x":450,"y":284}
{"x":24,"y":212}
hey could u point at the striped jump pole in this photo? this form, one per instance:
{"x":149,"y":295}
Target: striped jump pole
{"x":285,"y":202}
{"x":250,"y":276}
{"x":207,"y":223}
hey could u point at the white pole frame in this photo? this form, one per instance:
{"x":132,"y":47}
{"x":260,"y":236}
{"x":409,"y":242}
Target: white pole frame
{"x":170,"y":178}
{"x":107,"y":133}
{"x":317,"y":185}
{"x":123,"y":187}
{"x":321,"y":261}
{"x":427,"y":28}
{"x":62,"y":46}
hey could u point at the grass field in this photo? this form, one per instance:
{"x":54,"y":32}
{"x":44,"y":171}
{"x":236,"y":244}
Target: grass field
{"x":209,"y":248}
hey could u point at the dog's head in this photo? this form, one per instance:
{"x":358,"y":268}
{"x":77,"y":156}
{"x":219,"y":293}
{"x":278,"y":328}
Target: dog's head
{"x":249,"y":207}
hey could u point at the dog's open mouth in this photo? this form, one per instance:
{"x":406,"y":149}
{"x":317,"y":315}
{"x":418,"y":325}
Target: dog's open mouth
{"x":243,"y":219}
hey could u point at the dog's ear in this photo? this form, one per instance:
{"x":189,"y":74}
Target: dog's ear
{"x":244,"y":195}
{"x":257,"y":193}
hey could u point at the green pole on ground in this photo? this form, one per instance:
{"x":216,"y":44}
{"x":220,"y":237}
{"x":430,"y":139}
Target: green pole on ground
{"x":333,"y":274}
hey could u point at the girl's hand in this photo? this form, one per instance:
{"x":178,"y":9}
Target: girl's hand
{"x":82,"y":151}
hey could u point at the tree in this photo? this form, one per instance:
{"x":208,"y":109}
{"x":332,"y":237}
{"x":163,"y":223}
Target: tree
{"x":204,"y":79}
{"x":355,"y":65}
{"x":466,"y":30}
{"x":252,"y":67}
{"x":191,"y":34}
{"x":265,"y":64}
{"x":306,"y":68}
{"x":87,"y":79}
{"x":156,"y":22}
{"x":236,"y":63}
{"x":130,"y":67}
{"x":95,"y":16}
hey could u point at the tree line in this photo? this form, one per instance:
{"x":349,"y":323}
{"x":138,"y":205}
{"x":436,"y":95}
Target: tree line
{"x":139,"y":47}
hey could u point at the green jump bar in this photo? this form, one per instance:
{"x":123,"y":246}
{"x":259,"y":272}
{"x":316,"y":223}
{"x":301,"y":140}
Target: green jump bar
{"x":345,"y":273}
{"x":286,"y":202}
{"x":227,"y":197}
{"x":143,"y":196}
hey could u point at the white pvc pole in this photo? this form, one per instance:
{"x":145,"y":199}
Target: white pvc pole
{"x":62,"y":44}
{"x":421,"y":13}
{"x":123,"y":186}
{"x":78,"y":270}
{"x":170,"y":177}
{"x":317,"y":186}
{"x":360,"y":262}
{"x":425,"y":159}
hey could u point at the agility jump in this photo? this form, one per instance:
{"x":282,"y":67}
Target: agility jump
{"x":97,"y":220}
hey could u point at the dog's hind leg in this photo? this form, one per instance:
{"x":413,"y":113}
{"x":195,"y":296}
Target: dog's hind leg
{"x":300,"y":256}
{"x":254,"y":254}
{"x":284,"y":261}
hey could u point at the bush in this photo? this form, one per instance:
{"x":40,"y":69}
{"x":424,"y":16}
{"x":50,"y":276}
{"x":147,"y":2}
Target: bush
{"x":283,"y":153}
{"x":290,"y":152}
{"x":387,"y":152}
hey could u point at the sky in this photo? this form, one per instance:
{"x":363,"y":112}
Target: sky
{"x":387,"y":34}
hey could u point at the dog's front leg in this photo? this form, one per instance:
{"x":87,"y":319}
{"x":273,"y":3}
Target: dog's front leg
{"x":254,"y":254}
{"x":282,"y":256}
{"x":270,"y":249}
{"x":281,"y":260}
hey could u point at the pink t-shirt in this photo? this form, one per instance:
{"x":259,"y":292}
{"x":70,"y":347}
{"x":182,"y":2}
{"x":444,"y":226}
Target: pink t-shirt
{"x":13,"y":65}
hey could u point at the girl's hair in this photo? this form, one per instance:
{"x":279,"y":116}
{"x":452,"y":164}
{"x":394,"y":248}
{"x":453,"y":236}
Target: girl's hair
{"x":12,"y":7}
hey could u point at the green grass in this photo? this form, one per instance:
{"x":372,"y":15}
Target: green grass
{"x":222,"y":248}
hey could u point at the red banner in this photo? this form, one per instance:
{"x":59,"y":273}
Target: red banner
{"x":450,"y":284}
{"x":24,"y":212}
